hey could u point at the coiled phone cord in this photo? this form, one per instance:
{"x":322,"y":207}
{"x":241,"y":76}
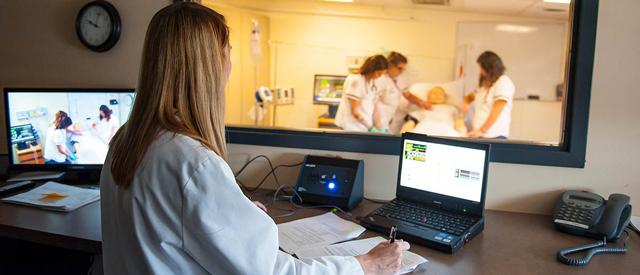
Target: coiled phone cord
{"x":593,"y":249}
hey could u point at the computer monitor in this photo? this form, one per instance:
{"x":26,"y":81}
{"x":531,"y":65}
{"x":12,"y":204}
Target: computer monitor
{"x":452,"y":172}
{"x":63,"y":129}
{"x":328,"y":89}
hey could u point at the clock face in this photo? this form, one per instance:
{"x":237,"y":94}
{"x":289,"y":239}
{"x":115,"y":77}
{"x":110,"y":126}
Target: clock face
{"x":95,"y":25}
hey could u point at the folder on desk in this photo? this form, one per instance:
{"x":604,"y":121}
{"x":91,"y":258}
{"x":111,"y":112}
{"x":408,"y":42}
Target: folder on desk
{"x":56,"y":196}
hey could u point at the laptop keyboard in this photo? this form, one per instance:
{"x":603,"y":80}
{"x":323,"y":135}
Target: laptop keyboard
{"x":439,"y":220}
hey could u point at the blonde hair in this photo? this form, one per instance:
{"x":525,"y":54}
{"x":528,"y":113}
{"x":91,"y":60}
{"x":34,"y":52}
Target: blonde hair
{"x":181,"y":86}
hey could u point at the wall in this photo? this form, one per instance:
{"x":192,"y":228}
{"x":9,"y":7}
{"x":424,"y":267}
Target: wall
{"x":45,"y":52}
{"x":39,"y":46}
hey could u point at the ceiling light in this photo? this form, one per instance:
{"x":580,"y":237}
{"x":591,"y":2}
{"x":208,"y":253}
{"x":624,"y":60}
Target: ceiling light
{"x":558,"y":1}
{"x":515,"y":28}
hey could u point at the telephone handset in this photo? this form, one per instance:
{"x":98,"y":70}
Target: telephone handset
{"x":588,"y":214}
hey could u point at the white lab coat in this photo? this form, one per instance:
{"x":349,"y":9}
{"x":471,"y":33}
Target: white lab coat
{"x":503,"y":89}
{"x":184,"y":214}
{"x":390,"y":95}
{"x":357,"y":88}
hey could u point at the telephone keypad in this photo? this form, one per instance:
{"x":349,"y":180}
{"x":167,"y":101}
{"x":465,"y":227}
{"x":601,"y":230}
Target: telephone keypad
{"x":575,"y":214}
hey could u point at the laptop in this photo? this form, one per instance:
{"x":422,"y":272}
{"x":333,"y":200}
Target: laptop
{"x":440,"y":195}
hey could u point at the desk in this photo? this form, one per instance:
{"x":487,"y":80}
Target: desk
{"x":512,"y":243}
{"x":77,"y":230}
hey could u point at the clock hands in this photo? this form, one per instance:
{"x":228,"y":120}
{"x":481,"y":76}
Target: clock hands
{"x":93,"y":24}
{"x":97,"y":19}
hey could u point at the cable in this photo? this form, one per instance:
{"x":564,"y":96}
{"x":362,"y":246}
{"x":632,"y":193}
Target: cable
{"x":592,"y":250}
{"x":272,"y":171}
{"x":280,"y":187}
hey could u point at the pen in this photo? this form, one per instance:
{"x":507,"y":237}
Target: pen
{"x":392,"y":234}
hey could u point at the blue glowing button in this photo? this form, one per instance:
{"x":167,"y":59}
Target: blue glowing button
{"x":331,"y":186}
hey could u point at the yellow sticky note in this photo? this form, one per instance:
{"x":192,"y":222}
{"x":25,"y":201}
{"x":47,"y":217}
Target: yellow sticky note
{"x":52,"y":196}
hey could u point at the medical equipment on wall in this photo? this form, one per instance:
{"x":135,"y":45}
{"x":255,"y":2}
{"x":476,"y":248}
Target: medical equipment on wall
{"x":265,"y":97}
{"x":256,"y":52}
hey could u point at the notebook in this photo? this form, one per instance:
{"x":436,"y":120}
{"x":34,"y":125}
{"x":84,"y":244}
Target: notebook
{"x":56,"y":196}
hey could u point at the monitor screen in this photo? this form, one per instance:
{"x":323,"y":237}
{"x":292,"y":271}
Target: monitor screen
{"x":443,"y":169}
{"x":328,"y":89}
{"x":64,"y":127}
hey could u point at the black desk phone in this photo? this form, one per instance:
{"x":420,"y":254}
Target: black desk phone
{"x":590,"y":215}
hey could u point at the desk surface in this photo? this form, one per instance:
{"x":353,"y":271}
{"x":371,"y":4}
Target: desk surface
{"x":511,"y":243}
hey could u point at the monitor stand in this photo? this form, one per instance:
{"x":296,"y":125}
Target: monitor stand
{"x":333,"y":109}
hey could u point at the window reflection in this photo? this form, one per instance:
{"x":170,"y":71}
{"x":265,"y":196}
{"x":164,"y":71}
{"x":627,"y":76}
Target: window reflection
{"x":467,"y":69}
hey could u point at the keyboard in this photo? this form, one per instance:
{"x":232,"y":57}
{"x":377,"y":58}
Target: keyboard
{"x":431,"y":218}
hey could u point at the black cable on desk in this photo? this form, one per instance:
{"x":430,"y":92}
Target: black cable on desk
{"x":592,"y":250}
{"x":280,"y":187}
{"x":264,"y":179}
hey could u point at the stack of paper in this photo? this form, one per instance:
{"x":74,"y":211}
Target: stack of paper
{"x":318,"y":231}
{"x":354,"y":248}
{"x":56,"y":196}
{"x":635,"y":222}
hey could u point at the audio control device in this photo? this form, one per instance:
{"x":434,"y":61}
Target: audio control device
{"x":331,"y":181}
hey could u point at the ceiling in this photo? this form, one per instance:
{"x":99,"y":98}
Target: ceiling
{"x":532,"y":8}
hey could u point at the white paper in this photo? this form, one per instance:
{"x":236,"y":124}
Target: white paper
{"x":318,"y":231}
{"x":354,"y":248}
{"x":75,"y":197}
{"x":635,"y":221}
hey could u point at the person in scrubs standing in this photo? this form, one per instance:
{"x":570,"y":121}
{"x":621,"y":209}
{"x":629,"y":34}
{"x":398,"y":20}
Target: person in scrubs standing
{"x":493,"y":99}
{"x":390,"y":118}
{"x":355,"y":112}
{"x":169,"y":201}
{"x":107,"y":125}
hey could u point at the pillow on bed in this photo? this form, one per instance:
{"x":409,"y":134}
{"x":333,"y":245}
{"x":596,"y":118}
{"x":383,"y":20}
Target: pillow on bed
{"x":454,"y":90}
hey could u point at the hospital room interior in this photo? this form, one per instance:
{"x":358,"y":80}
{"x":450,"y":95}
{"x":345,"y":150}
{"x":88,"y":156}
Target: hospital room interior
{"x":90,"y":136}
{"x":355,"y":137}
{"x":291,"y":59}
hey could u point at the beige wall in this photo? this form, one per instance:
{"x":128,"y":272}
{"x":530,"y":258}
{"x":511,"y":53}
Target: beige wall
{"x":39,"y":48}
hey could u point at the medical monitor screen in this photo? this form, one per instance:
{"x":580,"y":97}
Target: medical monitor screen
{"x":328,"y":89}
{"x":443,"y":169}
{"x":64,"y":127}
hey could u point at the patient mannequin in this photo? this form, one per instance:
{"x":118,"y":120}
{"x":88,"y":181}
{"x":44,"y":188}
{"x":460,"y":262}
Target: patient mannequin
{"x":441,"y":120}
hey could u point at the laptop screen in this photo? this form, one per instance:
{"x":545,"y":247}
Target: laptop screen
{"x":443,"y":169}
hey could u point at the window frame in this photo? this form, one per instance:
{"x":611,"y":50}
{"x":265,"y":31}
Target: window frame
{"x":570,"y":153}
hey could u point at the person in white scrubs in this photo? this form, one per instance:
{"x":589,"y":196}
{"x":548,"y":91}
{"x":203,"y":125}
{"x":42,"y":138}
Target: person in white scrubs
{"x":361,"y":94}
{"x":55,"y":147}
{"x":107,"y":124}
{"x":392,"y":88}
{"x":169,"y":201}
{"x":493,"y":99}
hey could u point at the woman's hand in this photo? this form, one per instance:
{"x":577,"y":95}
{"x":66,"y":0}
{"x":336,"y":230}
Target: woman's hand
{"x":465,"y":107}
{"x":476,"y":134}
{"x":425,"y":105}
{"x":385,"y":258}
{"x":260,"y":205}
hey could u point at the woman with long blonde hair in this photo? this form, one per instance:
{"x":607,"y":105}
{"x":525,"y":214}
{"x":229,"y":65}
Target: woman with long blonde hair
{"x":169,"y":201}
